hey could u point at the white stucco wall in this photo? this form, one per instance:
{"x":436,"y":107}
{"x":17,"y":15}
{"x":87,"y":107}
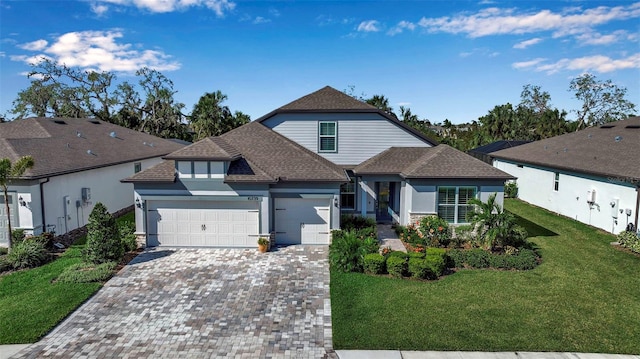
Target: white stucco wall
{"x":105,"y":187}
{"x":536,"y":186}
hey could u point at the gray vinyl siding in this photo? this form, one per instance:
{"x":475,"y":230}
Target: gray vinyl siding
{"x":360,"y":135}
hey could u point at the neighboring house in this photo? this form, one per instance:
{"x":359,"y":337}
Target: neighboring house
{"x":483,"y":153}
{"x":78,"y":162}
{"x":592,"y":175}
{"x":294,"y":171}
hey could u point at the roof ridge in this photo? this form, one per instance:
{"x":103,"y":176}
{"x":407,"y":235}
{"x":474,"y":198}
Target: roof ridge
{"x":430,"y":152}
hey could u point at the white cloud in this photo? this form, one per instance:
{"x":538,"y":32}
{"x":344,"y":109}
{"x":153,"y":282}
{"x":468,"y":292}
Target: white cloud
{"x":597,"y":63}
{"x":402,"y":25}
{"x":99,"y":9}
{"x":526,"y":43}
{"x":220,"y":7}
{"x":37,"y":45}
{"x":495,"y":21}
{"x":100,"y":50}
{"x":369,"y":26}
{"x":3,"y":54}
{"x":261,"y":20}
{"x":596,"y":38}
{"x":480,"y":51}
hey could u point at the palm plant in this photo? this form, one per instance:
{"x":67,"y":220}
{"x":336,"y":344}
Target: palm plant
{"x":493,"y":224}
{"x":8,"y":171}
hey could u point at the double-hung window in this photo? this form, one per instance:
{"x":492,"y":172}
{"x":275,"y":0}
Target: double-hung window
{"x":328,"y":137}
{"x":453,"y":203}
{"x":556,"y":181}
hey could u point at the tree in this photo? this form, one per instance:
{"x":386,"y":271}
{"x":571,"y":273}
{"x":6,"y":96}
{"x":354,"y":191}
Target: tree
{"x":103,"y":238}
{"x":8,"y":171}
{"x":494,"y":225}
{"x":381,"y":102}
{"x":533,"y":98}
{"x":210,"y":118}
{"x":602,"y":101}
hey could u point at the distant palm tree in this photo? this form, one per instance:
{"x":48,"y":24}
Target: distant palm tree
{"x":10,"y":170}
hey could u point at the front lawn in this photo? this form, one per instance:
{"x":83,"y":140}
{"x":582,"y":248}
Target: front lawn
{"x":31,"y":305}
{"x":584,"y":297}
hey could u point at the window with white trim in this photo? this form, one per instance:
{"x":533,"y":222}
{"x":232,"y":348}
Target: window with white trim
{"x":327,"y":137}
{"x":556,"y":181}
{"x":453,"y":203}
{"x":137,"y":167}
{"x":348,"y":195}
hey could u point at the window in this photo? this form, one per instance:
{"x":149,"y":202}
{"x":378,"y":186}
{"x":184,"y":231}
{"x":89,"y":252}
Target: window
{"x":185,"y":169}
{"x":137,"y":167}
{"x":453,"y":203}
{"x":556,"y":181}
{"x":348,"y":195}
{"x":328,"y":137}
{"x":201,"y":169}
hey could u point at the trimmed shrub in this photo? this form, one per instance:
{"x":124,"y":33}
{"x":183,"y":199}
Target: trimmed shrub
{"x":477,"y":258}
{"x":87,"y":273}
{"x":457,"y":258}
{"x":436,"y":265}
{"x":440,"y":252}
{"x":396,"y":266}
{"x":3,"y":251}
{"x":419,"y":268}
{"x":103,"y":240}
{"x":629,"y":240}
{"x":46,"y":239}
{"x":525,"y":259}
{"x":511,"y":189}
{"x":374,"y":263}
{"x":415,"y":255}
{"x":27,"y":254}
{"x":350,"y":222}
{"x":399,"y":254}
{"x":501,"y":261}
{"x":127,"y":236}
{"x":4,"y":265}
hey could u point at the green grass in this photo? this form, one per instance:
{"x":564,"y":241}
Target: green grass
{"x":31,"y":305}
{"x":584,"y":297}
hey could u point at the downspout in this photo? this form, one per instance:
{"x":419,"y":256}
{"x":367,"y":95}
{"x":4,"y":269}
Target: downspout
{"x":44,"y":224}
{"x":637,"y":205}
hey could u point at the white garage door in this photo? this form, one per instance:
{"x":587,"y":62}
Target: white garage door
{"x":203,"y":223}
{"x":302,"y":220}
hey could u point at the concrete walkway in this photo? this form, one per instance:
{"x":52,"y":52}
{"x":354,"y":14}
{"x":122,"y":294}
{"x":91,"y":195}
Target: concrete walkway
{"x":406,"y":354}
{"x":388,"y":238}
{"x":203,"y":303}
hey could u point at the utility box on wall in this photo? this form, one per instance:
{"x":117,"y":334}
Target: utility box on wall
{"x":615,"y":205}
{"x":86,"y":194}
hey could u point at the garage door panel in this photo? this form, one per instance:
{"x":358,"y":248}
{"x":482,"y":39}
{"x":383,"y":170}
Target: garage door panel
{"x":203,"y":223}
{"x":302,"y":220}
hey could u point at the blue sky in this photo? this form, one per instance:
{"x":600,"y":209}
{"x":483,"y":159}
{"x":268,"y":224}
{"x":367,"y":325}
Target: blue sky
{"x":451,"y":60}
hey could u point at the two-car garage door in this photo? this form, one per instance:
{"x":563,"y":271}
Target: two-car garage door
{"x":203,"y":223}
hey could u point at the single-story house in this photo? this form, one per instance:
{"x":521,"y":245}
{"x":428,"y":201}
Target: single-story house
{"x":592,"y":175}
{"x":78,"y":162}
{"x":294,"y":171}
{"x":484,"y":152}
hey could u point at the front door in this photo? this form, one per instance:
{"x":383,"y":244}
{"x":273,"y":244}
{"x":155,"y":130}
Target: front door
{"x":382,"y":203}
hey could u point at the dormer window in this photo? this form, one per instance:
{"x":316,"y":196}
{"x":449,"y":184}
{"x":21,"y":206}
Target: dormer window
{"x":328,"y":137}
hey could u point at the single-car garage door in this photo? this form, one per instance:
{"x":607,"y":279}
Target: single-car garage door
{"x":203,"y":223}
{"x":302,"y":220}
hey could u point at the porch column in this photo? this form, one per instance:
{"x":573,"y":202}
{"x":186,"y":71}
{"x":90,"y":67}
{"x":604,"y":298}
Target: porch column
{"x":363,"y":198}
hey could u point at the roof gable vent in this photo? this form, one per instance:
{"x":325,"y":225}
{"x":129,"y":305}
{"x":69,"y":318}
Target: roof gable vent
{"x":60,"y":122}
{"x":95,"y":122}
{"x":632,"y":126}
{"x":607,"y":126}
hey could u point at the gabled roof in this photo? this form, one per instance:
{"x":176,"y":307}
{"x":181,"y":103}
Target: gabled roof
{"x":65,"y":145}
{"x":611,"y":150}
{"x":441,"y":161}
{"x":330,"y":100}
{"x":210,"y":148}
{"x":497,"y":146}
{"x":259,"y":155}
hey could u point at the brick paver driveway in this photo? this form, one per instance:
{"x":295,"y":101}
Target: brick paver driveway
{"x":198,"y":303}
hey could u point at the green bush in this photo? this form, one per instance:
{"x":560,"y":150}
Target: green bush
{"x":4,"y":265}
{"x":87,"y":272}
{"x":27,"y":254}
{"x":399,"y":254}
{"x":396,"y":266}
{"x":524,"y":260}
{"x":415,"y":255}
{"x":347,"y":251}
{"x":127,"y":236}
{"x":477,"y":258}
{"x":436,"y":265}
{"x":501,"y":261}
{"x":350,"y":222}
{"x":629,"y":240}
{"x":435,"y":231}
{"x":419,"y":268}
{"x":17,"y":235}
{"x":103,"y":240}
{"x":511,"y":189}
{"x":440,"y":252}
{"x":46,"y":239}
{"x":374,"y":263}
{"x":457,"y":258}
{"x":3,"y":251}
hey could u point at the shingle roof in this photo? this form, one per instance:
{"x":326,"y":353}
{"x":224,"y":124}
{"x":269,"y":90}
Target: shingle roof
{"x":65,"y":145}
{"x":330,"y":100}
{"x":210,"y":148}
{"x":164,"y":171}
{"x":497,"y":146}
{"x":441,"y":161}
{"x":263,"y":155}
{"x":610,"y":150}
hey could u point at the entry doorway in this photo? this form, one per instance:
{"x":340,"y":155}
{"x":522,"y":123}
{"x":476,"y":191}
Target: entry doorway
{"x":382,"y":202}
